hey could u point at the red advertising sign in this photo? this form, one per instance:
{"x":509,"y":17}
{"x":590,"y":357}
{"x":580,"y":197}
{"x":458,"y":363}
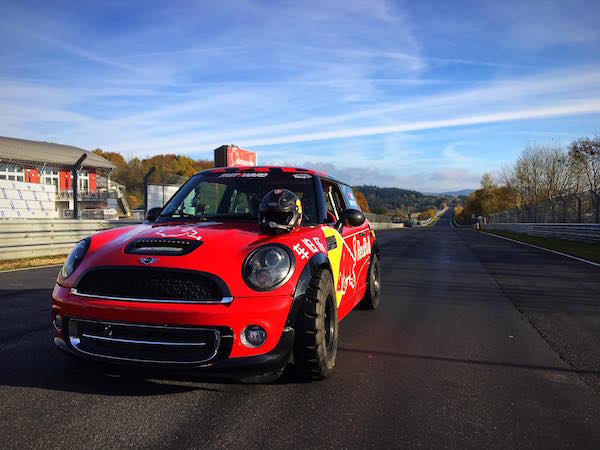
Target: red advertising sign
{"x":232,"y":156}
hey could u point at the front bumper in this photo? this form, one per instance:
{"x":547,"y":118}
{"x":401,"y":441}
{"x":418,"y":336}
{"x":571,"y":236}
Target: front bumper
{"x":227,"y":321}
{"x":238,"y":368}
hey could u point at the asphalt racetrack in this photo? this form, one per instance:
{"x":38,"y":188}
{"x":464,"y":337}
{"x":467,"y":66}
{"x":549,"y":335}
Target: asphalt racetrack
{"x":478,"y":343}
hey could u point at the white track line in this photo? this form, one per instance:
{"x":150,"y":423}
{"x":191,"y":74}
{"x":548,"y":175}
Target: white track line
{"x":545,"y":249}
{"x":30,"y":268}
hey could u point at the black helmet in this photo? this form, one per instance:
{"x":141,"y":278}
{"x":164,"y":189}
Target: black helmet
{"x":280,"y":211}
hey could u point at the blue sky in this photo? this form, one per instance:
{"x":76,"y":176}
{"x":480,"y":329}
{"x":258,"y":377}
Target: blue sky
{"x":420,"y":95}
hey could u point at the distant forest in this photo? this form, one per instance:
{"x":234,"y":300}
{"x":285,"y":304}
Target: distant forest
{"x":395,"y":201}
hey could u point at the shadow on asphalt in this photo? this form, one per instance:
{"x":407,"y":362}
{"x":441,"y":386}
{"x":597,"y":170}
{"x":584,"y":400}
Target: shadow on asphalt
{"x":59,"y":372}
{"x":469,"y":361}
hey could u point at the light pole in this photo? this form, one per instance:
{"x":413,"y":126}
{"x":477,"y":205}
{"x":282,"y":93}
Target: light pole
{"x":74,"y":171}
{"x":146,"y":177}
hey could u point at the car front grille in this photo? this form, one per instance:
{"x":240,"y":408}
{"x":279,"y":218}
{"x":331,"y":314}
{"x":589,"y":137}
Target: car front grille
{"x":152,"y":344}
{"x":156,"y":284}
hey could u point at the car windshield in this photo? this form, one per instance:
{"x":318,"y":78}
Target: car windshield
{"x":237,"y":195}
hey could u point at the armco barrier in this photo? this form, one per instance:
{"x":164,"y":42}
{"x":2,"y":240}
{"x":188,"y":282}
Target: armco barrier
{"x":570,"y":231}
{"x":35,"y":238}
{"x":386,"y":225}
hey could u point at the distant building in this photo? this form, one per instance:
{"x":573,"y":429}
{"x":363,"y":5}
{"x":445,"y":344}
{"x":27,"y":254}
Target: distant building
{"x":50,"y":164}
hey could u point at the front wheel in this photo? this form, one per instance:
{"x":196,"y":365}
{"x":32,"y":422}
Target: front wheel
{"x":315,"y":345}
{"x":373,"y":292}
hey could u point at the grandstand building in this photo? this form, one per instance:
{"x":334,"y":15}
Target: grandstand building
{"x":35,"y":163}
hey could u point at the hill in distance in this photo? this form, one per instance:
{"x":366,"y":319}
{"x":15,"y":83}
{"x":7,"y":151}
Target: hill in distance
{"x":391,"y":199}
{"x":461,"y":193}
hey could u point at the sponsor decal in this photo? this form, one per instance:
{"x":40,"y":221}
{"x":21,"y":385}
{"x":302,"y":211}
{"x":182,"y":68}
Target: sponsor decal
{"x":308,"y":247}
{"x":244,"y":175}
{"x":363,"y":249}
{"x":358,"y":251}
{"x":320,"y":244}
{"x":186,"y":231}
{"x":300,"y":251}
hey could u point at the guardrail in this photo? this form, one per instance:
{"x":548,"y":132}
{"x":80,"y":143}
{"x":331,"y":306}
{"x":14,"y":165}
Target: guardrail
{"x":570,"y":231}
{"x":34,"y":238}
{"x":424,"y":223}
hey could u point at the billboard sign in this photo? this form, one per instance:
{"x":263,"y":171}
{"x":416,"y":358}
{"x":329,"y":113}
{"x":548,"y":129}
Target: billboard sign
{"x":232,"y":156}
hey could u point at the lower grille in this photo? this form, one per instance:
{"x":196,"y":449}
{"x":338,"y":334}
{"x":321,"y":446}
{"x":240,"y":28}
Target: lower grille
{"x":144,"y":343}
{"x":155,"y":284}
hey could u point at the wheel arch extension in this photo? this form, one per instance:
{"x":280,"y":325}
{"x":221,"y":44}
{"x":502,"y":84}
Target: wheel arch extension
{"x":318,"y":262}
{"x":375,"y":248}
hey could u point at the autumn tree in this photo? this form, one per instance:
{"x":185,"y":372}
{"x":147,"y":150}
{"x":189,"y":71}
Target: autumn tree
{"x":361,"y":200}
{"x":114,"y":157}
{"x":170,"y":169}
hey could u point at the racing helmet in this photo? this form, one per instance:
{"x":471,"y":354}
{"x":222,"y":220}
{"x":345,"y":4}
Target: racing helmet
{"x":280,"y":211}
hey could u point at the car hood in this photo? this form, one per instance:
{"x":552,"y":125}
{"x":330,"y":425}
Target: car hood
{"x":223,"y":248}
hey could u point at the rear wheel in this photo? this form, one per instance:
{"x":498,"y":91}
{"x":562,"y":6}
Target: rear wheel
{"x":373,"y":292}
{"x":315,"y":345}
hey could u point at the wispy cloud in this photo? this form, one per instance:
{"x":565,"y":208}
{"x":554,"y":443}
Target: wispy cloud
{"x":392,"y":87}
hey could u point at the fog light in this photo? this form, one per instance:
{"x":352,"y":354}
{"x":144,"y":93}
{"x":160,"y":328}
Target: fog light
{"x":253,"y":336}
{"x":57,"y":322}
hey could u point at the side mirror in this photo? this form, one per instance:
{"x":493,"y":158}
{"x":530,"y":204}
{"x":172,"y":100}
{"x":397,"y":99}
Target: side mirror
{"x":153,"y":214}
{"x":351,"y":218}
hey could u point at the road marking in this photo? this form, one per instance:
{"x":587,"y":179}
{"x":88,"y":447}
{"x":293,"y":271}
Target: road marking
{"x":30,"y":268}
{"x":545,"y":249}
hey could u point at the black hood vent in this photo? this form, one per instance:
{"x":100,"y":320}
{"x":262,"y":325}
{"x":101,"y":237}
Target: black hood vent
{"x":161,"y":246}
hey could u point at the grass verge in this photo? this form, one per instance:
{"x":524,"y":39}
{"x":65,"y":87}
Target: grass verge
{"x":27,"y":263}
{"x":584,"y":250}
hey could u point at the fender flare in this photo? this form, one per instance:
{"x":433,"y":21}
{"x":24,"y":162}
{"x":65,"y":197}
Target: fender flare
{"x":318,"y":262}
{"x":375,"y":248}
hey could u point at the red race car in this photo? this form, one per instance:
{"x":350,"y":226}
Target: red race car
{"x":241,"y":271}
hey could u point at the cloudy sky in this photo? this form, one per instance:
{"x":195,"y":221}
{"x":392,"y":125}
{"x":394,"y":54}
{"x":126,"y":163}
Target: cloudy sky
{"x":421,"y":95}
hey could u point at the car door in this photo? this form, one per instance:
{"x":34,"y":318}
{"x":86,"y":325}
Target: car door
{"x":358,"y":241}
{"x":351,"y":275}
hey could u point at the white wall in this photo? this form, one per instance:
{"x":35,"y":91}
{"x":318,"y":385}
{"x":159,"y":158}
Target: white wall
{"x":20,"y":200}
{"x":158,"y":195}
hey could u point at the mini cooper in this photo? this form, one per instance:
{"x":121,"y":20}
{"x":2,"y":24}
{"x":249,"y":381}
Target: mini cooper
{"x":241,"y":272}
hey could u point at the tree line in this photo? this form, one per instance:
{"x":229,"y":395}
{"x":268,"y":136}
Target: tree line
{"x":170,"y":169}
{"x":398,"y":202}
{"x":550,"y":173}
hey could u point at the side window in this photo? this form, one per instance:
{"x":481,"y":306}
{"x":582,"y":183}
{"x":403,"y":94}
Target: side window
{"x":349,"y":197}
{"x":334,"y":201}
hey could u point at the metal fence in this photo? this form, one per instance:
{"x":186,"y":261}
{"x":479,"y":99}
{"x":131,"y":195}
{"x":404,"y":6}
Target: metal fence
{"x":35,"y":238}
{"x":577,"y":208}
{"x":570,"y":231}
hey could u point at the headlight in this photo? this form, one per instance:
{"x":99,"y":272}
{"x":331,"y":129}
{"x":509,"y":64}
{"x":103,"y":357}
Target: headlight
{"x":268,"y":267}
{"x":74,"y":258}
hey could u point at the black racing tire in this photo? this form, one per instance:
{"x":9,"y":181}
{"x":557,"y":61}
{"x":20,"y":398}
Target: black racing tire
{"x":316,"y":329}
{"x":373,"y":293}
